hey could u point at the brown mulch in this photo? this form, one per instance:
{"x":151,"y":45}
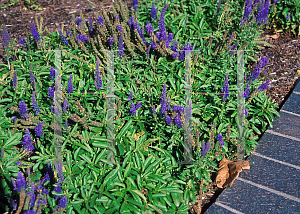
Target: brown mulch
{"x":283,"y":55}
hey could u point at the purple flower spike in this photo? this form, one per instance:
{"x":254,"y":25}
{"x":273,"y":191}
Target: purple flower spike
{"x":132,"y":109}
{"x":20,"y":183}
{"x":35,"y":105}
{"x":225,"y":89}
{"x":70,"y":85}
{"x":39,"y":129}
{"x":168,"y":120}
{"x":22,"y":109}
{"x":52,"y":73}
{"x":35,"y":33}
{"x":15,"y":80}
{"x":220,"y":139}
{"x":27,"y":141}
{"x":5,"y":38}
{"x":63,"y":202}
{"x":135,"y":4}
{"x":153,"y":11}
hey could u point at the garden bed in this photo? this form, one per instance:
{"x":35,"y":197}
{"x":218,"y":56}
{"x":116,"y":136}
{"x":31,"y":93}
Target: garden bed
{"x":283,"y":54}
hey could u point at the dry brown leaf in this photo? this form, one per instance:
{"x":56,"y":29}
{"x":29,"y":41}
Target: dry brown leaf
{"x":229,"y":171}
{"x":276,"y":36}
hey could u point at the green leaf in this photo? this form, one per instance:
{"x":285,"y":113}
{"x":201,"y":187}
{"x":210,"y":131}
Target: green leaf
{"x":14,"y":140}
{"x":139,"y":194}
{"x":111,"y":175}
{"x":124,"y":129}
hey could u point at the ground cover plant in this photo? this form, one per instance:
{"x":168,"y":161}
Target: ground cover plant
{"x":150,"y":112}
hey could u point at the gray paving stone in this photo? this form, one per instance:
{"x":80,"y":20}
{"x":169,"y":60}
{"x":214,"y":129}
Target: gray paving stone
{"x":293,"y":103}
{"x":279,"y":148}
{"x":273,"y":175}
{"x":215,"y":209}
{"x":297,"y":88}
{"x":247,"y":199}
{"x":287,"y":124}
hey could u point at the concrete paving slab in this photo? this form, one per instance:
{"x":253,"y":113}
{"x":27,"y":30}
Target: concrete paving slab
{"x":273,"y":175}
{"x":293,"y":104}
{"x":280,"y":148}
{"x":287,"y":124}
{"x":247,"y":198}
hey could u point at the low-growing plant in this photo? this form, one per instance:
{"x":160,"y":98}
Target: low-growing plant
{"x":153,"y":127}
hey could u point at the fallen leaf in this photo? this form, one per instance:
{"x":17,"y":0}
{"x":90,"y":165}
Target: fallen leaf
{"x":229,"y":171}
{"x":276,"y":36}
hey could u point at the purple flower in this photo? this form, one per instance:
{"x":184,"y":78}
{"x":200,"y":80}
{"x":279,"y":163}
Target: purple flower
{"x":27,"y":141}
{"x":149,"y":28}
{"x":153,"y":11}
{"x":288,"y":16}
{"x":12,"y":202}
{"x":100,"y":20}
{"x":161,"y":24}
{"x":131,"y":22}
{"x":132,"y":109}
{"x":263,"y":62}
{"x":20,"y":183}
{"x":35,"y":33}
{"x":32,"y":195}
{"x":90,"y":24}
{"x":119,"y":28}
{"x":264,"y":86}
{"x":65,"y":105}
{"x":14,"y":118}
{"x":22,"y":41}
{"x":70,"y":85}
{"x":35,"y":105}
{"x":219,"y":5}
{"x":15,"y":80}
{"x":177,"y":120}
{"x":46,"y":178}
{"x":220,"y":139}
{"x":246,"y":93}
{"x":225,"y":89}
{"x":135,"y":4}
{"x":78,"y":21}
{"x":63,"y":202}
{"x":205,"y":148}
{"x":121,"y":46}
{"x":230,"y":36}
{"x":130,"y":96}
{"x":233,"y":48}
{"x":57,"y":189}
{"x":138,"y":105}
{"x":246,"y":112}
{"x":262,"y":14}
{"x":51,"y":91}
{"x":5,"y":38}
{"x":174,"y":55}
{"x":31,"y":77}
{"x":168,"y":120}
{"x":39,"y":129}
{"x":63,"y":38}
{"x":111,"y":41}
{"x":98,"y":81}
{"x":22,"y":109}
{"x":185,"y":20}
{"x":248,"y":8}
{"x":52,"y":73}
{"x":18,"y":163}
{"x":154,"y":111}
{"x":82,"y":38}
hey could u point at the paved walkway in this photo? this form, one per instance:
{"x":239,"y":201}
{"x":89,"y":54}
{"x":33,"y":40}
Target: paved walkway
{"x":272,"y":185}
